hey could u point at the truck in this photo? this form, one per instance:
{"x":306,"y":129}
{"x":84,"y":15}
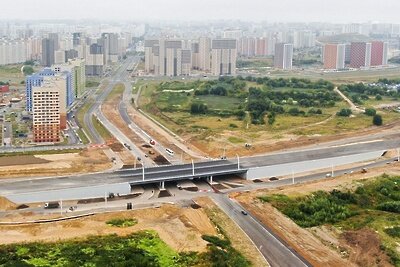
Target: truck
{"x":52,"y":205}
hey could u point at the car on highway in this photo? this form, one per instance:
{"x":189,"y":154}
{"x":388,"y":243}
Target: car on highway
{"x":244,"y":212}
{"x":169,"y":152}
{"x":273,"y":178}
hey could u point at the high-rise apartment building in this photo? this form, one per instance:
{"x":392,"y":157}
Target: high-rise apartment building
{"x":79,"y":76}
{"x":247,"y":46}
{"x":261,"y":47}
{"x":13,"y":51}
{"x":149,"y":54}
{"x":35,"y":80}
{"x":94,"y":60}
{"x":283,"y":56}
{"x":48,"y":52}
{"x":46,"y":114}
{"x":360,"y":55}
{"x":49,"y":109}
{"x":205,"y":54}
{"x":173,"y":58}
{"x":303,"y":39}
{"x":334,"y":56}
{"x":224,"y":53}
{"x":379,"y":51}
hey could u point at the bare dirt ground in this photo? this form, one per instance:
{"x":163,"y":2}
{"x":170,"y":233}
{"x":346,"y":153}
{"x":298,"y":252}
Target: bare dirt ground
{"x":181,"y":228}
{"x":285,"y":141}
{"x":90,"y":160}
{"x":21,"y":160}
{"x":365,"y":246}
{"x":322,"y":246}
{"x":6,"y":204}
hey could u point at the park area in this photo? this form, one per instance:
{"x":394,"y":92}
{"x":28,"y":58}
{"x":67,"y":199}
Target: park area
{"x":221,"y":116}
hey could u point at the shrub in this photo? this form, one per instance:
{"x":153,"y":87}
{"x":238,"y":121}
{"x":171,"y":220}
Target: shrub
{"x":198,"y":108}
{"x":393,"y":232}
{"x":377,"y":120}
{"x":232,"y":125}
{"x":215,"y":240}
{"x":122,"y":222}
{"x":370,"y":112}
{"x":390,"y":206}
{"x":344,"y":112}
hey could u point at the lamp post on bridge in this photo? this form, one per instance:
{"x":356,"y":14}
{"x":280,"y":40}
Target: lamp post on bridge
{"x":192,"y":167}
{"x":143,"y":171}
{"x":238,"y":161}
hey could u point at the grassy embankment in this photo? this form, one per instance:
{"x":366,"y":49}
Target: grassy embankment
{"x":373,"y":204}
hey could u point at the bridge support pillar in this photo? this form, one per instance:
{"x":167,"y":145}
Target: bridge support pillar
{"x":162,"y":185}
{"x":210,"y":180}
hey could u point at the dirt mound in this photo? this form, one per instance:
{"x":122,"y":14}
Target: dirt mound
{"x":116,"y":146}
{"x":6,"y":204}
{"x":366,"y":247}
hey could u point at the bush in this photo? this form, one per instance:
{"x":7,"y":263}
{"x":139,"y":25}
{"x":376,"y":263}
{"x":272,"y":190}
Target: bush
{"x":28,"y":70}
{"x":393,"y":232}
{"x":377,"y":120}
{"x":122,"y":222}
{"x":344,"y":112}
{"x":391,"y":206}
{"x":370,"y":112}
{"x":232,"y":125}
{"x":314,"y":111}
{"x":378,"y":97}
{"x":198,"y":108}
{"x":215,"y":240}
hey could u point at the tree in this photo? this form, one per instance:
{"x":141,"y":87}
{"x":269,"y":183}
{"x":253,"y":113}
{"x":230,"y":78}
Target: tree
{"x":370,"y":112}
{"x":28,"y":70}
{"x":378,"y":97}
{"x":198,"y":108}
{"x":344,"y":112}
{"x":271,"y":118}
{"x":377,"y":120}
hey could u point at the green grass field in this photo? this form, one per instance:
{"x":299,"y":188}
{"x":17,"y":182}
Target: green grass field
{"x":104,"y":133}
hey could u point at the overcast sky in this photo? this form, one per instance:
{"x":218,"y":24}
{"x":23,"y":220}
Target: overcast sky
{"x":268,"y":10}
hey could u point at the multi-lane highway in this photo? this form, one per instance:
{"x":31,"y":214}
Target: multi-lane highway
{"x":12,"y":187}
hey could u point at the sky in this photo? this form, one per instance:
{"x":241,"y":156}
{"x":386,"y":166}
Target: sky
{"x":342,"y":11}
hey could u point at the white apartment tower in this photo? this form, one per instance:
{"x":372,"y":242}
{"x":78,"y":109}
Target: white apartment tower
{"x":205,"y":54}
{"x":224,"y":53}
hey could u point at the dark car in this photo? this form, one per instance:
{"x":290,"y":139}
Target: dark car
{"x":274,"y":178}
{"x":244,"y":212}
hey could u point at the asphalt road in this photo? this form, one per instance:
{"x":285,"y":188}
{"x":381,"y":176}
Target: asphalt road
{"x":274,"y":250}
{"x":319,"y":153}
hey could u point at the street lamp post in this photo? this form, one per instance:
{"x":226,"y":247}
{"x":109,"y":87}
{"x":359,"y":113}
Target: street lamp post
{"x":192,"y":167}
{"x":292,"y":177}
{"x":143,"y":171}
{"x":238,"y":161}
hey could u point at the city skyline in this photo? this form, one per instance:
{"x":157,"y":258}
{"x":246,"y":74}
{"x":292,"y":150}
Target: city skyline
{"x":340,"y":11}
